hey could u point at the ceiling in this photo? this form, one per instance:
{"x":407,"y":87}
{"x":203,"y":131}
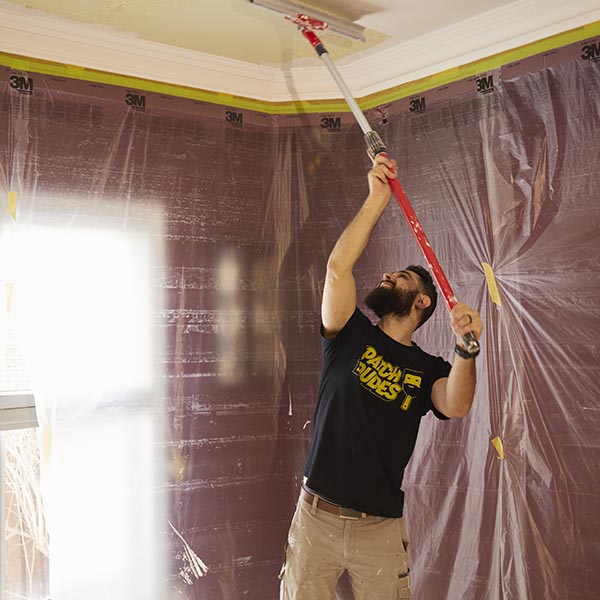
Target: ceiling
{"x":235,"y":47}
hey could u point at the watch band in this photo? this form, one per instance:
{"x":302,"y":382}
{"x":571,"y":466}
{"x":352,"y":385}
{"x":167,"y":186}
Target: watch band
{"x":463,"y":353}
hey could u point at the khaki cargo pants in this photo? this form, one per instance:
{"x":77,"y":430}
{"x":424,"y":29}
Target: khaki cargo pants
{"x":322,"y":545}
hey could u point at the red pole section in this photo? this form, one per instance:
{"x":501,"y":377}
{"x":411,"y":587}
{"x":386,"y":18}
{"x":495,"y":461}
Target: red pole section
{"x":419,"y":233}
{"x":471,"y":343}
{"x":312,"y":37}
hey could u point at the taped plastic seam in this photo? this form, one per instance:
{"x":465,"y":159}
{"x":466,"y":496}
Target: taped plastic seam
{"x":497,"y":443}
{"x":490,"y":279}
{"x":12,"y":204}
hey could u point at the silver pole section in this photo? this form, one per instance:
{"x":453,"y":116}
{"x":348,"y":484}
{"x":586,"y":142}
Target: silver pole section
{"x":358,"y":114}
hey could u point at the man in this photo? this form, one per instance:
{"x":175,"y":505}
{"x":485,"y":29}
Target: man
{"x":375,"y":387}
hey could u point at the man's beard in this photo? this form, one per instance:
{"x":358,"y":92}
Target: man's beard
{"x":388,"y":300}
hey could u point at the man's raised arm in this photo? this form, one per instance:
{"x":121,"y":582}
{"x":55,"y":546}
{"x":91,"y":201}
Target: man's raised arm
{"x":339,"y":294}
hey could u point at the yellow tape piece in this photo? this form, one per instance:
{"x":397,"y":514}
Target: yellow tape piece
{"x":490,"y":278}
{"x":497,"y":443}
{"x":12,"y":204}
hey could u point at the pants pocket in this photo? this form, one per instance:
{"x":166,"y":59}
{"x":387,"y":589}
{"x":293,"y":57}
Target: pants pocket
{"x":281,"y":576}
{"x":404,"y":575}
{"x":405,"y":540}
{"x":403,"y":585}
{"x":281,"y":572}
{"x":282,"y":593}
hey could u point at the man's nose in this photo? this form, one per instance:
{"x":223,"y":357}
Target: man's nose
{"x":387,"y":276}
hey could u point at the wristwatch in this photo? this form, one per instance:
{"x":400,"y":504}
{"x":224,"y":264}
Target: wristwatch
{"x":463,"y":353}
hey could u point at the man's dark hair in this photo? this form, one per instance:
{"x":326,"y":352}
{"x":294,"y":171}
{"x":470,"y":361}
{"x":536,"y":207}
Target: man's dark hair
{"x":427,"y":288}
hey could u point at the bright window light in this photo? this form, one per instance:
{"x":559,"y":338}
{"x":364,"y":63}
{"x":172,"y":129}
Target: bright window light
{"x":105,"y":511}
{"x":79,"y":302}
{"x":83,"y":304}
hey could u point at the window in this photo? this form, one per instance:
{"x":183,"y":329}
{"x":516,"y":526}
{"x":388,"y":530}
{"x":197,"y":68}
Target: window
{"x":76,"y":335}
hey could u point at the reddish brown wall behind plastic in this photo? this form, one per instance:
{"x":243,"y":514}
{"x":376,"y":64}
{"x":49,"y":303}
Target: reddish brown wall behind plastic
{"x":251,"y":210}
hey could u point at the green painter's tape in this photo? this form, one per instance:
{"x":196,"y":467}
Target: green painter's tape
{"x":310,"y":106}
{"x":481,"y":66}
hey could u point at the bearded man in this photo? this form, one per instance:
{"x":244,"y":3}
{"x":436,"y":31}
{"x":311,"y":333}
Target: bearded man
{"x":376,"y":385}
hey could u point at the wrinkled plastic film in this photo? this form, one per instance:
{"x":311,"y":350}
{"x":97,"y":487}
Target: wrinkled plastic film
{"x":204,"y":232}
{"x":513,"y":204}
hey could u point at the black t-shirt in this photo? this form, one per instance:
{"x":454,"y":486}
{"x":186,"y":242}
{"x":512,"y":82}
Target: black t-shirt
{"x":372,"y":395}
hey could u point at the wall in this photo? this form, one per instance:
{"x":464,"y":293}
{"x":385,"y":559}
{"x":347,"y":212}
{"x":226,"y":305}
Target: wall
{"x":499,"y":167}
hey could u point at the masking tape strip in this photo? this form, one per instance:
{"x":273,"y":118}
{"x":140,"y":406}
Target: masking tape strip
{"x":497,"y":443}
{"x":307,"y":106}
{"x":12,"y":204}
{"x":490,"y":279}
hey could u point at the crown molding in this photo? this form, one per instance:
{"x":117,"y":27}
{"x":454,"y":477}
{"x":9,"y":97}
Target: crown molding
{"x":494,"y":32}
{"x":40,"y":36}
{"x":36,"y":35}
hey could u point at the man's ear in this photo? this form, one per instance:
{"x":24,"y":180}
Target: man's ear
{"x":423,"y":301}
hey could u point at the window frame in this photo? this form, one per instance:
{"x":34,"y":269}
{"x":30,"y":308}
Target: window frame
{"x":17,"y":410}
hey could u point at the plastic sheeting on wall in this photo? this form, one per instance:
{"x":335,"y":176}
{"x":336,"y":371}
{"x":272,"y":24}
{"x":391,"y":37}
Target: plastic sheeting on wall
{"x":242,"y":210}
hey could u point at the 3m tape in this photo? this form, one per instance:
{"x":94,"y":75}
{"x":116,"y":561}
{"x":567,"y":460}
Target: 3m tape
{"x":490,"y":279}
{"x":12,"y":204}
{"x":497,"y":443}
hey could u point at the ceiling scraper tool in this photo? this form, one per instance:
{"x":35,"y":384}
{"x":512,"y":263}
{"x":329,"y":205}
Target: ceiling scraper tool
{"x":317,"y":20}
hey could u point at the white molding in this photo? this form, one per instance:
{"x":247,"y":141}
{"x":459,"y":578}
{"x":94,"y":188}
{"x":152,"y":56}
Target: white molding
{"x":474,"y":39}
{"x":391,"y":64}
{"x":37,"y":35}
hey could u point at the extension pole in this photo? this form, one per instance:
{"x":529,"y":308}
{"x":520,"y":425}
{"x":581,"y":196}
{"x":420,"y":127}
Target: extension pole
{"x":376,"y":146}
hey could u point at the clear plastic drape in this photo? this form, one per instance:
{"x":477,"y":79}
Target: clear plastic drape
{"x":508,"y":183}
{"x":80,"y":250}
{"x":169,"y":256}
